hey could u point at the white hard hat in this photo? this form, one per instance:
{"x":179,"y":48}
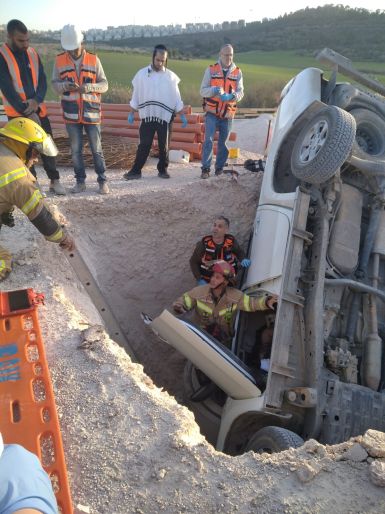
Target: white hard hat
{"x":71,"y":37}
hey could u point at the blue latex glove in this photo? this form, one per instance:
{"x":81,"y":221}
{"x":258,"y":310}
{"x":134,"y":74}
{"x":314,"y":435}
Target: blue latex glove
{"x":131,"y":117}
{"x":245,"y":263}
{"x":24,"y":483}
{"x":184,"y":120}
{"x":217,"y":91}
{"x":226,"y":97}
{"x":201,"y":282}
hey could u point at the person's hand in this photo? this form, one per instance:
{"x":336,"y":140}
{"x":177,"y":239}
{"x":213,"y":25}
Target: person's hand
{"x":245,"y":263}
{"x":218,"y":91}
{"x":178,"y":308}
{"x":201,"y":282}
{"x":131,"y":117}
{"x":67,"y":243}
{"x":226,"y":97}
{"x":184,"y":120}
{"x":271,"y":302}
{"x":83,"y":89}
{"x":32,"y":106}
{"x":72,"y":86}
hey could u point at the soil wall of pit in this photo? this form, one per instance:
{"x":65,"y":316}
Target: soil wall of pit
{"x":138,"y":247}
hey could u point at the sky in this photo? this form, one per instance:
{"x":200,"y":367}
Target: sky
{"x":53,"y":14}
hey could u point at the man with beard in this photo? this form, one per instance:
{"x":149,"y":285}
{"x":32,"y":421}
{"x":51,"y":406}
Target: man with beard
{"x":157,"y":98}
{"x":23,"y":87}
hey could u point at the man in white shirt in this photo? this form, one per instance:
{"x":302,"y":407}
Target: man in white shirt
{"x":157,"y":98}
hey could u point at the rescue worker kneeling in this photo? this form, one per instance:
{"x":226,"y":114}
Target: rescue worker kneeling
{"x":215,"y":304}
{"x":21,"y":141}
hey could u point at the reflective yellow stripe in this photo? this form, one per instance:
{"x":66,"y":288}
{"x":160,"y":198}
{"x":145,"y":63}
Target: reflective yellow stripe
{"x":32,"y":202}
{"x":262,"y":303}
{"x":12,"y":175}
{"x":246,"y":302}
{"x":2,"y":264}
{"x":56,"y":237}
{"x":229,"y":309}
{"x":203,"y":307}
{"x":187,"y":301}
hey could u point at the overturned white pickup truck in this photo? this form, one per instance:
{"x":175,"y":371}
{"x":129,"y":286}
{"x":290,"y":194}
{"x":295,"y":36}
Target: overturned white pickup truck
{"x":319,"y":243}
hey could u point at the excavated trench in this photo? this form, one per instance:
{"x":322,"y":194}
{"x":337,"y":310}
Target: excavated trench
{"x":137,"y":244}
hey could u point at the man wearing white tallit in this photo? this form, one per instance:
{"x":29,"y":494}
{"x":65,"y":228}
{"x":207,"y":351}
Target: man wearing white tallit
{"x":157,"y":98}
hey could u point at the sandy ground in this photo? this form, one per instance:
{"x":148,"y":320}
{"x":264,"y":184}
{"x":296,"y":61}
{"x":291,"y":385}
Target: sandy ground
{"x":130,"y":446}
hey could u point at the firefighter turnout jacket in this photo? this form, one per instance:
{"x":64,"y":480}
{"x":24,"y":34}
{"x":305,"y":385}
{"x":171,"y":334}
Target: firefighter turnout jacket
{"x":216,"y":316}
{"x":17,"y":188}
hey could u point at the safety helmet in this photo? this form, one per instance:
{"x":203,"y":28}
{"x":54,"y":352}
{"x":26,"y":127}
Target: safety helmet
{"x":28,"y":132}
{"x":71,"y":37}
{"x":224,"y":268}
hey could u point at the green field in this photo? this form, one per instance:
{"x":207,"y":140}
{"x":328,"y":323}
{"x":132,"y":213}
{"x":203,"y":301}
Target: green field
{"x":265,"y":73}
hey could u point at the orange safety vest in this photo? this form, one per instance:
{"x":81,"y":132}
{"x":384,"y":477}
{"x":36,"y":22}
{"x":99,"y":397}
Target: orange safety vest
{"x":14,"y":72}
{"x":79,"y":107}
{"x":211,"y":254}
{"x":229,"y":84}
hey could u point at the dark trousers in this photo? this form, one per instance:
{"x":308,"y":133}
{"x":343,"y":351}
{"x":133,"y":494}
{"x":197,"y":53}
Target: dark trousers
{"x":147,"y":132}
{"x":49,"y":163}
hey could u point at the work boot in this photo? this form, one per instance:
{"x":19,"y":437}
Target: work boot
{"x":57,"y":188}
{"x":205,"y":173}
{"x":132,"y":175}
{"x":219,"y":171}
{"x":79,"y":187}
{"x":163,"y":175}
{"x":103,"y":188}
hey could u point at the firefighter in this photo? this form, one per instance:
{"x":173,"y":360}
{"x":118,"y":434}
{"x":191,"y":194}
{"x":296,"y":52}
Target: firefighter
{"x":216,"y":304}
{"x":21,"y":141}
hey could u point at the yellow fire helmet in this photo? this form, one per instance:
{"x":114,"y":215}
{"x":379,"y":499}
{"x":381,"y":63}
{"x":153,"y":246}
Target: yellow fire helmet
{"x":31,"y":134}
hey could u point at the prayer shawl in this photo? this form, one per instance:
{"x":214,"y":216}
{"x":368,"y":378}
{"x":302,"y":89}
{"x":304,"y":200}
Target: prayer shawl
{"x":156,"y":94}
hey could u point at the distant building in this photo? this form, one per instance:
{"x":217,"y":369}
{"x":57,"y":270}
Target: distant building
{"x":138,"y":31}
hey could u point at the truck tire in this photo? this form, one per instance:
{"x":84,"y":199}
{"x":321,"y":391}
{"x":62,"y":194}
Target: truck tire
{"x":323,"y":144}
{"x":370,"y":135}
{"x":273,"y":440}
{"x":197,"y":386}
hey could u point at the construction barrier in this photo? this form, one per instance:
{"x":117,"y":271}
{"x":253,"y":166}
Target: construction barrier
{"x":27,"y":405}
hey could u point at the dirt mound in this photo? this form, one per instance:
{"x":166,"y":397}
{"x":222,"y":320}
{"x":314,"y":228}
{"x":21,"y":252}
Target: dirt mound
{"x":130,"y":446}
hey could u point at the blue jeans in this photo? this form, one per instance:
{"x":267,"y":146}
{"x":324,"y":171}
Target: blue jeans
{"x":75,"y":133}
{"x":223,"y":125}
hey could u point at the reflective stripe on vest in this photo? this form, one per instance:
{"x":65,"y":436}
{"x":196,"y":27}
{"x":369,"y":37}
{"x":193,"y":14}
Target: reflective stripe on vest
{"x":14,"y":72}
{"x":210,"y":254}
{"x":32,"y":202}
{"x":215,"y":105}
{"x":9,"y":177}
{"x":79,"y":108}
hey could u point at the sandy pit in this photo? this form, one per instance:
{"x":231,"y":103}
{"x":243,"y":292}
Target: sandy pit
{"x":130,"y":444}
